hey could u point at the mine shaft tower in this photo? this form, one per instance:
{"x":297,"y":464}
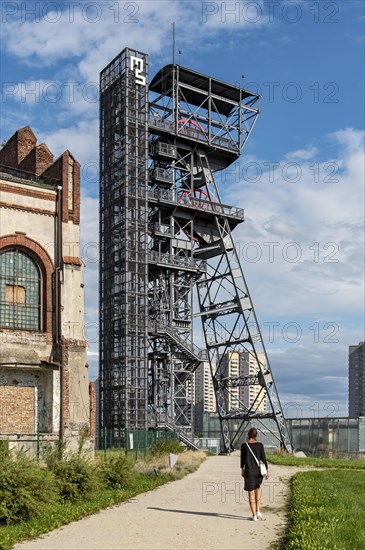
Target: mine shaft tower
{"x":166,"y":244}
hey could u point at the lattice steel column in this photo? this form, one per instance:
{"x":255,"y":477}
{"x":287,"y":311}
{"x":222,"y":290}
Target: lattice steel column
{"x":123,"y":243}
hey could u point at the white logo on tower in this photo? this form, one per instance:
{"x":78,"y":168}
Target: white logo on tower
{"x":137,"y":66}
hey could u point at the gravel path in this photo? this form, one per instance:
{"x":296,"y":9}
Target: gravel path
{"x":206,"y":509}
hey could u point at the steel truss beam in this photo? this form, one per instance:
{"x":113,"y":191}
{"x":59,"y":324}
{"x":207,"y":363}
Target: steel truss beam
{"x":230,"y":325}
{"x":198,"y":124}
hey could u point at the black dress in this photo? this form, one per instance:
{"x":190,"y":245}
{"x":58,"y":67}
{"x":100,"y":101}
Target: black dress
{"x":252,"y":476}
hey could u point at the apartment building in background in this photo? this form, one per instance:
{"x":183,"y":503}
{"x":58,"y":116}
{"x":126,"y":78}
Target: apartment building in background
{"x":204,"y":395}
{"x":243,"y":364}
{"x":357,"y":380}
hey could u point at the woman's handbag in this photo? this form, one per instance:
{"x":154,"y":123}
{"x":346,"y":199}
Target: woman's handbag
{"x":260,"y":464}
{"x":263,"y":470}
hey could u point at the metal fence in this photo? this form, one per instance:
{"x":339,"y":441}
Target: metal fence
{"x":133,"y":442}
{"x":329,"y":436}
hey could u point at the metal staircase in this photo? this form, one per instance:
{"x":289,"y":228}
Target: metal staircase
{"x":184,"y":347}
{"x":188,"y":440}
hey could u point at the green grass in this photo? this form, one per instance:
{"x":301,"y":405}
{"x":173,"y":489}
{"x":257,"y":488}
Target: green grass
{"x":326,"y":511}
{"x":338,"y":463}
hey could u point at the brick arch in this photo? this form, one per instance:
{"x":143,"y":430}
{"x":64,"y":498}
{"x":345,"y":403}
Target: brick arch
{"x":45,"y":264}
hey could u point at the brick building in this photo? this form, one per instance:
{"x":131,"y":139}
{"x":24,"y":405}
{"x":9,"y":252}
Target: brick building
{"x":44,"y":392}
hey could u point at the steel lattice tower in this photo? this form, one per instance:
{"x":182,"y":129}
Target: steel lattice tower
{"x":164,"y":235}
{"x":123,"y":244}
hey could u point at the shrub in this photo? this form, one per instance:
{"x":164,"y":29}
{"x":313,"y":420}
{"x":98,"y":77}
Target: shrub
{"x":26,"y":489}
{"x":53,"y":454}
{"x":165,"y":446}
{"x":76,"y":478}
{"x":115,"y":472}
{"x":4,"y":449}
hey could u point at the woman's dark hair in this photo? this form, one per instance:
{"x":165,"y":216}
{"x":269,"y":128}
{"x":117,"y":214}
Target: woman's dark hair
{"x":252,"y":433}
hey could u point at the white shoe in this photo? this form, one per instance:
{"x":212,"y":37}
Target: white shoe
{"x":259,"y":515}
{"x":254,"y":518}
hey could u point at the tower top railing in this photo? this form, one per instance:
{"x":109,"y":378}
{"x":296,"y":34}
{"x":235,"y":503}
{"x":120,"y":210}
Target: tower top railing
{"x":203,"y":109}
{"x":181,"y":198}
{"x":199,"y":86}
{"x":174,"y":260}
{"x":197,"y":134}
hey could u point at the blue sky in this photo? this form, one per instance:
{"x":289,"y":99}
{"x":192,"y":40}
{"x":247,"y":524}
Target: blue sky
{"x":300,"y":178}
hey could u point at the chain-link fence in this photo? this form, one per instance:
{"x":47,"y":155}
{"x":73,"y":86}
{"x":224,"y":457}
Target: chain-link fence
{"x":133,"y":442}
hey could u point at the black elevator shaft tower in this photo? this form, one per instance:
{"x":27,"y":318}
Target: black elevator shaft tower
{"x":166,"y":243}
{"x":123,"y":246}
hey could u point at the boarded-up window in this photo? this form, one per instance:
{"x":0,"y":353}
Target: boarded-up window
{"x":15,"y":295}
{"x":17,"y":410}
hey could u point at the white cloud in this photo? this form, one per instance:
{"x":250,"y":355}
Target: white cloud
{"x":81,"y":139}
{"x":276,"y":226}
{"x":72,"y":44}
{"x":74,"y":36}
{"x":302,"y":154}
{"x":323,"y":269}
{"x":74,"y":50}
{"x":352,"y":140}
{"x":143,"y":25}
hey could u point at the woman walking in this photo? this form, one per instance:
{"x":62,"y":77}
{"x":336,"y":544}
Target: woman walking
{"x":252,"y":452}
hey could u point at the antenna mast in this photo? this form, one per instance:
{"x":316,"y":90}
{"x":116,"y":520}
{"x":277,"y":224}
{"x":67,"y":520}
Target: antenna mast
{"x":173,"y":43}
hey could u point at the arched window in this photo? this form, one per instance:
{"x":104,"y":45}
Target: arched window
{"x":20,"y":291}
